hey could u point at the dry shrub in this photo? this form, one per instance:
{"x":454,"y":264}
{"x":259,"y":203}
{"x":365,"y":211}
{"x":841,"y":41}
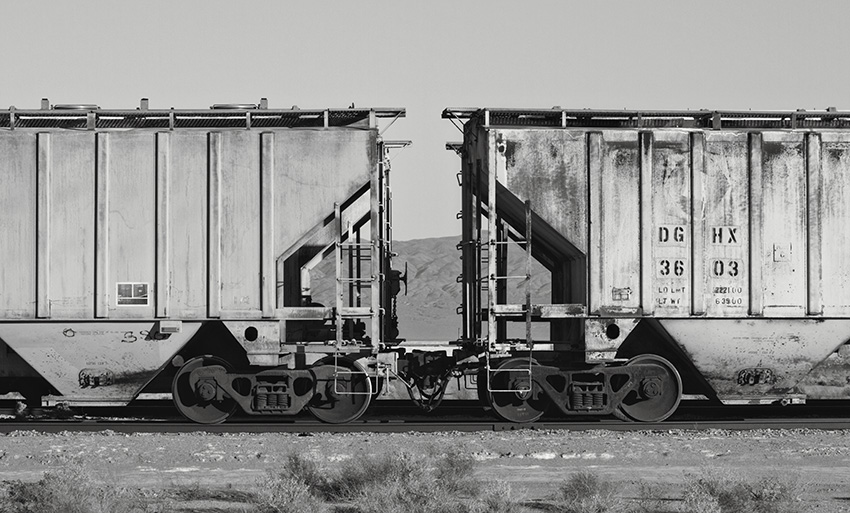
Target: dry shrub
{"x":497,"y":497}
{"x":716,"y":492}
{"x":361,"y":476}
{"x":283,"y":493}
{"x":392,"y":483}
{"x":585,"y":492}
{"x":71,"y":489}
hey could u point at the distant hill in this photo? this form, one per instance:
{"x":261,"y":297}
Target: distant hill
{"x":429,"y":310}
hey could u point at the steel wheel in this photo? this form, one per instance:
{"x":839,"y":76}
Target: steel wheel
{"x":655,"y":399}
{"x":196,"y":399}
{"x":512,"y":394}
{"x":343,"y":391}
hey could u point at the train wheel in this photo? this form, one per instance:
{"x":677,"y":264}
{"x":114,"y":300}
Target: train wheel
{"x":343,"y":391}
{"x":197,"y":400}
{"x":512,"y":393}
{"x":656,"y":398}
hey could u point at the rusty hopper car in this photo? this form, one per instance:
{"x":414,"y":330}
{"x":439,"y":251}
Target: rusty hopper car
{"x":169,"y":250}
{"x":701,"y":253}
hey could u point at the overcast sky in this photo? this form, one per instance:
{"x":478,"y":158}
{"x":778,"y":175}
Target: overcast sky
{"x":425,"y":56}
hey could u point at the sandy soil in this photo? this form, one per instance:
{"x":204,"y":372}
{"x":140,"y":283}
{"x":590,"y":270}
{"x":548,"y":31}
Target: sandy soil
{"x":533,"y":462}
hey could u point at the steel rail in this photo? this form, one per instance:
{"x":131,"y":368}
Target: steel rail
{"x":393,"y":426}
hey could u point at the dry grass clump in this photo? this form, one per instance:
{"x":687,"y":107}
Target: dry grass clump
{"x":715,"y":492}
{"x":398,"y":482}
{"x":287,"y":494}
{"x":585,"y":492}
{"x":71,"y":489}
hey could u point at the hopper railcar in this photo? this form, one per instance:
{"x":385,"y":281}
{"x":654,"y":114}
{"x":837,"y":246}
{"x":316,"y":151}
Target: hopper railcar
{"x":154,"y":251}
{"x":689,"y":253}
{"x":692,"y":253}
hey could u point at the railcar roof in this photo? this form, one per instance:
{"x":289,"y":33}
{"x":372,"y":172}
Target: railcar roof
{"x":218,"y":116}
{"x":590,"y":118}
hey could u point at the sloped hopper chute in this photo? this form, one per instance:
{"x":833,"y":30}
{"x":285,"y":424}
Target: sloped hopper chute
{"x":563,"y":259}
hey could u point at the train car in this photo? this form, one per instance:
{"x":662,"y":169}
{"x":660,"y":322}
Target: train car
{"x":148,"y":251}
{"x":690,"y":254}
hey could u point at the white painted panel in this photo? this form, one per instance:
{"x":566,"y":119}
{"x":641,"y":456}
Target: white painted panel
{"x":240,"y":221}
{"x":17,"y":225}
{"x":132,"y":218}
{"x":188,"y":224}
{"x":783,"y":253}
{"x":835,"y":223}
{"x":72,"y":213}
{"x":314,"y":170}
{"x":620,"y":220}
{"x":670,"y":224}
{"x":725,"y":228}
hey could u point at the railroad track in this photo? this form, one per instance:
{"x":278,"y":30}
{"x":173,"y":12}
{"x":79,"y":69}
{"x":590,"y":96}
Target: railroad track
{"x":88,"y":425}
{"x":394,"y":417}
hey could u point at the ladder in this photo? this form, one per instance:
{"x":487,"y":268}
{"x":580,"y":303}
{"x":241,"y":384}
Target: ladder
{"x":349,"y":248}
{"x":497,"y":309}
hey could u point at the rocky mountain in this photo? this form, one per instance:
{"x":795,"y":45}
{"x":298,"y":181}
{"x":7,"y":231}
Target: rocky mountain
{"x":429,"y":309}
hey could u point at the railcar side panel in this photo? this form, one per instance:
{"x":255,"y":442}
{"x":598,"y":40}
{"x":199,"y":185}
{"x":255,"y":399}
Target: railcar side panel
{"x":722,"y":206}
{"x":314,"y":170}
{"x":668,"y":190}
{"x":834,"y":215}
{"x":70,"y":243}
{"x":239,"y":224}
{"x":615,"y":207}
{"x":143,"y":224}
{"x":549,"y":169}
{"x":17,"y":223}
{"x":782,"y":256}
{"x":130,"y":173}
{"x":187,"y":223}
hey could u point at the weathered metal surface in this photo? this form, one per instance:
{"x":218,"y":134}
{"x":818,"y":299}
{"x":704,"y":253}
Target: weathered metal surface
{"x":603,"y":337}
{"x":95,"y":361}
{"x":548,"y":168}
{"x":129,"y":220}
{"x":240,"y":224}
{"x":261,"y":340}
{"x":833,"y":211}
{"x":728,"y":351}
{"x":722,"y":214}
{"x":666,"y":198}
{"x":189,"y":216}
{"x":185,"y":224}
{"x":18,"y":209}
{"x":689,"y":223}
{"x":728,"y":227}
{"x":783,"y":252}
{"x":618,"y":213}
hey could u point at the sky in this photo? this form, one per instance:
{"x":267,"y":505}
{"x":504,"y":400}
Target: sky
{"x":425,"y":56}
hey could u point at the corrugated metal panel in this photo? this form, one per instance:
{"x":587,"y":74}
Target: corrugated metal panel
{"x":189,"y":215}
{"x":833,"y":211}
{"x":668,"y":189}
{"x":240,"y":223}
{"x":174,"y":224}
{"x":722,"y":214}
{"x":18,"y":224}
{"x":783,"y":250}
{"x":71,"y":253}
{"x":619,"y":238}
{"x":131,"y":227}
{"x":720,"y":223}
{"x":313,"y":170}
{"x":549,"y":168}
